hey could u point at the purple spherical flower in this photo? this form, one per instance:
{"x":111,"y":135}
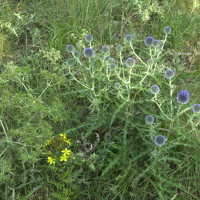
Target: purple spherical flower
{"x":155,"y":43}
{"x":117,"y":85}
{"x":110,"y":60}
{"x":148,"y":41}
{"x":128,"y":38}
{"x":155,"y":89}
{"x":113,"y":67}
{"x":196,"y":108}
{"x":88,"y":38}
{"x":149,"y":119}
{"x":167,"y":30}
{"x":150,"y":62}
{"x":105,"y":50}
{"x":119,"y":47}
{"x":159,"y":140}
{"x":183,"y":96}
{"x":88,"y":53}
{"x":70,"y":62}
{"x":70,"y":48}
{"x":169,"y":74}
{"x":77,"y":54}
{"x":130,"y":62}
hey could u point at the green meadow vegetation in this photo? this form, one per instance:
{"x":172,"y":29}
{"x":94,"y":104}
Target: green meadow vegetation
{"x":100,"y":99}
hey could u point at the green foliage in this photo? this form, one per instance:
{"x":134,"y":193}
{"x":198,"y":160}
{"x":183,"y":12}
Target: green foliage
{"x":41,"y":97}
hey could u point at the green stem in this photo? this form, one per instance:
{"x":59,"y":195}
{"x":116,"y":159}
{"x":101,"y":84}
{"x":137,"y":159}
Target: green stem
{"x":170,"y":84}
{"x":79,"y":81}
{"x":137,"y":55}
{"x":77,"y":59}
{"x":184,"y":111}
{"x":4,"y":129}
{"x":161,"y":50}
{"x":120,"y":55}
{"x":162,"y":111}
{"x":150,"y":52}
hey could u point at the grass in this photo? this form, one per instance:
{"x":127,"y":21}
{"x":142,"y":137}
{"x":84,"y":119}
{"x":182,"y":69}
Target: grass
{"x":41,"y":97}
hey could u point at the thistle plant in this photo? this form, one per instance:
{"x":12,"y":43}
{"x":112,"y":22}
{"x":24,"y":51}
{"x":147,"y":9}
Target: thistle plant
{"x":167,"y":30}
{"x":70,"y":62}
{"x":119,"y":48}
{"x":149,"y":41}
{"x":155,"y":89}
{"x":88,"y":53}
{"x":169,"y":73}
{"x":69,"y":48}
{"x":196,"y":108}
{"x":183,"y":97}
{"x":159,"y":140}
{"x":149,"y":119}
{"x":105,"y":50}
{"x":88,"y":38}
{"x":155,"y":43}
{"x":77,"y":54}
{"x":116,"y":86}
{"x":128,"y":38}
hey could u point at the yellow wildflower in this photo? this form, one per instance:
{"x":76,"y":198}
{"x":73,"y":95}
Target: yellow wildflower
{"x":51,"y":160}
{"x":68,"y":141}
{"x":63,"y":135}
{"x":64,"y":158}
{"x":66,"y":151}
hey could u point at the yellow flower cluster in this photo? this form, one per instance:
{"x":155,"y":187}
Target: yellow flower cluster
{"x":52,"y":142}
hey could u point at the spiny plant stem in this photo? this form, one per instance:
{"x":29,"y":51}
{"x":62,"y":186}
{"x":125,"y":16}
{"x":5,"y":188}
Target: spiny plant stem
{"x":137,"y":55}
{"x":162,"y":46}
{"x":160,"y":51}
{"x":162,"y":110}
{"x":120,"y":55}
{"x":145,"y":75}
{"x":78,"y":81}
{"x":170,"y":85}
{"x":150,"y":52}
{"x":184,"y":111}
{"x":77,"y":59}
{"x":4,"y":129}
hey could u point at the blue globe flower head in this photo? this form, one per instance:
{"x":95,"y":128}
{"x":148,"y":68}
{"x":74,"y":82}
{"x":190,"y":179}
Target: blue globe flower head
{"x":169,"y":74}
{"x":167,"y":30}
{"x":148,"y":41}
{"x":88,"y":38}
{"x":70,"y":48}
{"x":150,"y":62}
{"x":106,"y":59}
{"x":110,"y":61}
{"x":77,"y":54}
{"x":117,"y":85}
{"x":183,"y":97}
{"x":128,"y":38}
{"x":88,"y":53}
{"x":119,"y":48}
{"x":149,"y":119}
{"x":196,"y":108}
{"x":159,"y":140}
{"x":70,"y":62}
{"x":105,"y":50}
{"x":155,"y":43}
{"x":130,"y":62}
{"x":113,"y":67}
{"x":155,"y":89}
